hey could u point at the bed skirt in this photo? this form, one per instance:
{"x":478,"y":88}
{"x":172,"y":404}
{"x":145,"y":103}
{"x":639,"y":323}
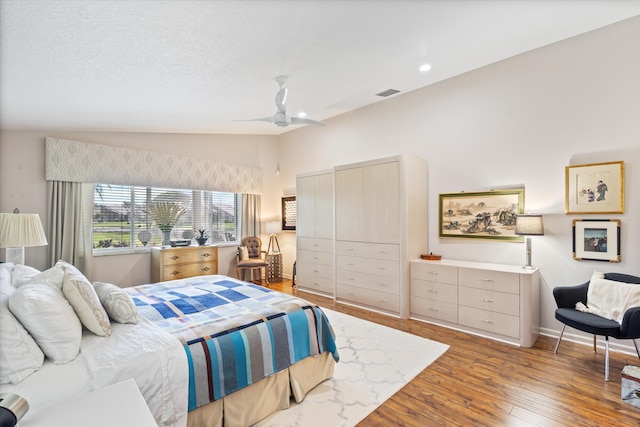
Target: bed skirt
{"x":259,"y":400}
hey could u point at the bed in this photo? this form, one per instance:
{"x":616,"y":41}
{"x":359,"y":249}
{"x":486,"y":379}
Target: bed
{"x":208,"y":350}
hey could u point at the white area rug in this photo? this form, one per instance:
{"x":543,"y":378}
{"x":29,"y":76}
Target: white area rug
{"x":375,"y":362}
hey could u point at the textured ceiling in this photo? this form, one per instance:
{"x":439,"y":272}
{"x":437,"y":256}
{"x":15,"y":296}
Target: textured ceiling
{"x":200,"y":66}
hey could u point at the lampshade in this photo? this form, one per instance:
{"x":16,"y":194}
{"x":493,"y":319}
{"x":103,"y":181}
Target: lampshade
{"x":273,"y":227}
{"x":17,"y":231}
{"x":529,"y":225}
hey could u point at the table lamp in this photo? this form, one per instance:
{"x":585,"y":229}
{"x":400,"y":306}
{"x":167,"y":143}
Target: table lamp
{"x":273,"y":228}
{"x":529,"y":225}
{"x":18,"y":230}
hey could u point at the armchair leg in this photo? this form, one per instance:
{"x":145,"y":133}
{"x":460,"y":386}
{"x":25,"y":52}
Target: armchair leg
{"x":555,"y":350}
{"x":595,"y":350}
{"x":606,"y":358}
{"x":635,"y":343}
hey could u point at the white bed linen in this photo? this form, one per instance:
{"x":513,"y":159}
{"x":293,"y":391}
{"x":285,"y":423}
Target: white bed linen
{"x":154,"y":358}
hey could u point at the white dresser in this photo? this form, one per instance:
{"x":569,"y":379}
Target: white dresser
{"x":492,"y":300}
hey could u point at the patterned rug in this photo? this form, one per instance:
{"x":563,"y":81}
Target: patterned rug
{"x":375,"y":362}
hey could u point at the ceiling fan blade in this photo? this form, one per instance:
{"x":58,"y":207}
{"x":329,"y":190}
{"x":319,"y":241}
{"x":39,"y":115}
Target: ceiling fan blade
{"x":262,"y":119}
{"x":301,"y":121}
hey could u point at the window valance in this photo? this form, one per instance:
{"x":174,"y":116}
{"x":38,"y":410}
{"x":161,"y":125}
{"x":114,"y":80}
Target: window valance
{"x":76,"y":161}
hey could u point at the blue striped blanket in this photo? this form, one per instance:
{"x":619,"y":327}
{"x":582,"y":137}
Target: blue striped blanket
{"x":234,"y":333}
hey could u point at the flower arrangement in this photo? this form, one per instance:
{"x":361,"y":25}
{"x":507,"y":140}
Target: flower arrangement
{"x":166,"y":214}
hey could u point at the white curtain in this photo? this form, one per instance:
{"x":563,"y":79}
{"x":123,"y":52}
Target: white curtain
{"x":251,"y":215}
{"x":70,"y":215}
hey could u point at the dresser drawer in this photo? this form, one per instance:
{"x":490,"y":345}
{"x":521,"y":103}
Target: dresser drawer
{"x":315,"y":270}
{"x":314,"y":257}
{"x":173,"y":272}
{"x":434,"y":291}
{"x":375,"y":299}
{"x":368,"y":250}
{"x":434,"y":272}
{"x":490,"y":321}
{"x":368,"y":265}
{"x":310,"y":244}
{"x":499,"y":302}
{"x":388,"y":284}
{"x":490,"y":280}
{"x":434,"y":309}
{"x":316,"y":284}
{"x":186,"y":255}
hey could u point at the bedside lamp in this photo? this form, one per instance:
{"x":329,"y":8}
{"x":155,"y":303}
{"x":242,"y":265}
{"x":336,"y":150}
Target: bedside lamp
{"x":529,"y":225}
{"x":273,"y":228}
{"x":19,"y":230}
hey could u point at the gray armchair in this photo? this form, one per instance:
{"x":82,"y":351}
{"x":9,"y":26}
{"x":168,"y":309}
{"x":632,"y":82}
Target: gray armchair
{"x":566,"y":299}
{"x":252,"y":260}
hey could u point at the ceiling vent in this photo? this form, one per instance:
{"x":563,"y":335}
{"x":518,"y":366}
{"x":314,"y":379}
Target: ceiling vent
{"x":387,"y":92}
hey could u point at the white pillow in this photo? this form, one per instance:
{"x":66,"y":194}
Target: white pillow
{"x":84,"y":300}
{"x":20,"y":356}
{"x":117,"y":302}
{"x":52,"y":277}
{"x":50,"y":319}
{"x":244,"y":253}
{"x":21,"y":274}
{"x":611,"y":299}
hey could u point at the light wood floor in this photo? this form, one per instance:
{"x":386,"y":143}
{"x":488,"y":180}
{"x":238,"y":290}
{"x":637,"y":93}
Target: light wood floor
{"x":481,"y":382}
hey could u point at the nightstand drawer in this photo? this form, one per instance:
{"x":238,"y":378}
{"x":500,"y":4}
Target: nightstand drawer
{"x":434,"y":291}
{"x":490,"y":280}
{"x":434,"y":309}
{"x":499,"y":302}
{"x":186,"y":255}
{"x":173,"y":272}
{"x":490,"y":321}
{"x":434,"y":272}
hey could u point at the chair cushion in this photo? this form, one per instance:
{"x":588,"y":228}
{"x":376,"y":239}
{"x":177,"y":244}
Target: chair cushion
{"x":252,"y":263}
{"x":588,"y":322}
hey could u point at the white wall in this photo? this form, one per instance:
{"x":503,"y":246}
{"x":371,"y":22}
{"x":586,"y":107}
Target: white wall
{"x":22,"y":183}
{"x":516,"y":123}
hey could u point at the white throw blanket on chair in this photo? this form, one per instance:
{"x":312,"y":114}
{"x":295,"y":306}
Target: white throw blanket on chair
{"x":610,"y":299}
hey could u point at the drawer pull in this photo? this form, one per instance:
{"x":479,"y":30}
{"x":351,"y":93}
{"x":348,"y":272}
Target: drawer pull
{"x":487,"y":280}
{"x":351,"y":278}
{"x":350,"y":263}
{"x":382,"y":268}
{"x":174,"y":273}
{"x":206,"y":269}
{"x":381,"y":300}
{"x":433,"y":291}
{"x":433,"y":272}
{"x":382,"y":285}
{"x":433,"y":309}
{"x":349,"y":293}
{"x":316,"y":258}
{"x":350,"y":249}
{"x":315,"y":244}
{"x":382,"y":252}
{"x":316,"y":271}
{"x":175,"y":257}
{"x":206,"y":254}
{"x":485,"y":300}
{"x":486,"y":321}
{"x":316,"y":284}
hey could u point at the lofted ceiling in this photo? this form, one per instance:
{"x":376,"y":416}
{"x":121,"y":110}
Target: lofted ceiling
{"x":202,"y":66}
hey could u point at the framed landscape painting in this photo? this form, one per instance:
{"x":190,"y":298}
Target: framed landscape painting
{"x":596,"y":240}
{"x":481,"y":215}
{"x":594,"y":188}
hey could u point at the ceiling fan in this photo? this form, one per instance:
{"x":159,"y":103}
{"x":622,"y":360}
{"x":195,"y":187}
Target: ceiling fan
{"x":280,"y":118}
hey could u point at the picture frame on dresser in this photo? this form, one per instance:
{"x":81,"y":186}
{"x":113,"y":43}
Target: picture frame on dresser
{"x":596,"y":240}
{"x":481,"y":215}
{"x":595,"y":188}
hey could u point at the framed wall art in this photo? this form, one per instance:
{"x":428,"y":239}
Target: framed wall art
{"x":596,"y":240}
{"x":595,"y":188}
{"x":481,"y":215}
{"x":289,"y":216}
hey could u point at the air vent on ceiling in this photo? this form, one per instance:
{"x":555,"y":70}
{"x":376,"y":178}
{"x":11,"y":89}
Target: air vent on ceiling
{"x":387,"y":92}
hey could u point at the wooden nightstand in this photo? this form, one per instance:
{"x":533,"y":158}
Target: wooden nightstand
{"x":274,"y":270}
{"x":178,"y":263}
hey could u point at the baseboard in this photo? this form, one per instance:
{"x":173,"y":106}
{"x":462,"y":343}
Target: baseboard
{"x":587,"y":340}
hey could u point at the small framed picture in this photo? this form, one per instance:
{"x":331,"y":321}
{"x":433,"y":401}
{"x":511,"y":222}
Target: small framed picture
{"x":289,"y":216}
{"x":596,"y":240}
{"x":594,"y":188}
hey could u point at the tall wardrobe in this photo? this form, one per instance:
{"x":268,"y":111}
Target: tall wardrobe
{"x":379,"y":223}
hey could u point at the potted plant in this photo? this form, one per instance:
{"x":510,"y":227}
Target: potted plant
{"x":202,"y":238}
{"x":166,"y":215}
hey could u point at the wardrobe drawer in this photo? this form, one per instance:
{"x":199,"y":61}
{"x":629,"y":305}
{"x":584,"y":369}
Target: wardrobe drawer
{"x":434,"y":272}
{"x":434,"y":291}
{"x":388,"y":284}
{"x":313,"y":283}
{"x":490,"y":280}
{"x":314,"y":257}
{"x":310,"y":244}
{"x":498,"y":323}
{"x":368,"y":265}
{"x":368,"y":250}
{"x":499,"y":302}
{"x":434,"y":309}
{"x":313,"y":270}
{"x":368,"y":297}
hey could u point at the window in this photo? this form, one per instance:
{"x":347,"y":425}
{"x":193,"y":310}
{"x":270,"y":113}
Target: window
{"x":128,"y":217}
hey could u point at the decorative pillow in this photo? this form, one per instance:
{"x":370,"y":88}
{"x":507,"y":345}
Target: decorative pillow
{"x":50,"y":319}
{"x":244,"y":252}
{"x":84,"y":300}
{"x":21,"y":274}
{"x":20,"y":356}
{"x":52,"y":277}
{"x":117,"y":302}
{"x":611,"y":299}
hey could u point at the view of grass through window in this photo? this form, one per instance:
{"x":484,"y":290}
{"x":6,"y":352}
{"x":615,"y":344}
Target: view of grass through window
{"x":129,"y":217}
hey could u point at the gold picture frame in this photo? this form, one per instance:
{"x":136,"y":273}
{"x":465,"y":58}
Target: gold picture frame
{"x":596,"y":240}
{"x":481,"y":215}
{"x":596,"y":188}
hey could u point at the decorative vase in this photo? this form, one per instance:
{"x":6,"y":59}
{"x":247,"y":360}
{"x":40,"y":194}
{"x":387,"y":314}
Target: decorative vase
{"x":166,"y":234}
{"x":201,"y":240}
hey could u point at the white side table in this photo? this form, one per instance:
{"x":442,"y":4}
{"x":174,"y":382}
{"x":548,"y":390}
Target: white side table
{"x":119,"y":405}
